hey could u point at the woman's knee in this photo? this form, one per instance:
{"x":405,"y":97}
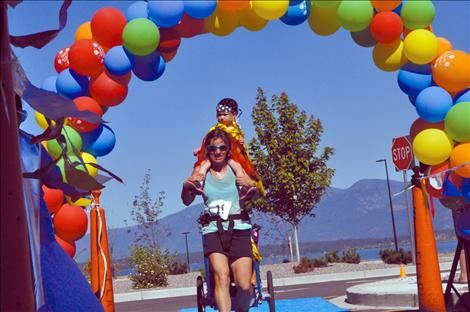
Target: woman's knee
{"x":222,"y":278}
{"x":244,"y":285}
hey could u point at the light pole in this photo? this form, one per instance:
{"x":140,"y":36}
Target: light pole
{"x":391,"y":205}
{"x":187,"y":252}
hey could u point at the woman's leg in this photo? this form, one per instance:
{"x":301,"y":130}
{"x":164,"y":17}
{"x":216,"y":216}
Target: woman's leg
{"x":242,"y":270}
{"x":220,"y":267}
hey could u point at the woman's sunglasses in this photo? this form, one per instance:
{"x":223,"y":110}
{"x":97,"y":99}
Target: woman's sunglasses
{"x":213,"y":148}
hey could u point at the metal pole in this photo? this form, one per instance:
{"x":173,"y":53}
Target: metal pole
{"x":410,"y":219}
{"x":290,"y":249}
{"x":391,"y":207}
{"x":296,"y":237}
{"x":188,"y":269}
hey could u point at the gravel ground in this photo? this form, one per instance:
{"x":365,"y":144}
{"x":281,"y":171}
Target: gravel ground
{"x":124,"y":285}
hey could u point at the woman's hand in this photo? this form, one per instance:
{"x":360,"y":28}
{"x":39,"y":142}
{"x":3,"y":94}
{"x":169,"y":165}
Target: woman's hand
{"x":245,"y":180}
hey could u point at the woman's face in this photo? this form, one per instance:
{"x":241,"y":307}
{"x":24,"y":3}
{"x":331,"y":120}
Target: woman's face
{"x":217,"y":151}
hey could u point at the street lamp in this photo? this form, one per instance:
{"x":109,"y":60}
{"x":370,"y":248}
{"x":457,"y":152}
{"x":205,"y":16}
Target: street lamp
{"x":187,"y":253}
{"x":391,"y":205}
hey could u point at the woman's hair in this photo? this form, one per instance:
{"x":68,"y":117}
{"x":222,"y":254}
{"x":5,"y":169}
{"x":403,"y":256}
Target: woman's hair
{"x":217,"y":133}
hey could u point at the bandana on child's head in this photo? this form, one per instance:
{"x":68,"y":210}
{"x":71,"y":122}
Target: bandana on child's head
{"x":227,"y":105}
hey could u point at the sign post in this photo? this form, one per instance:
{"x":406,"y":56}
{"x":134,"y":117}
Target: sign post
{"x":403,"y":159}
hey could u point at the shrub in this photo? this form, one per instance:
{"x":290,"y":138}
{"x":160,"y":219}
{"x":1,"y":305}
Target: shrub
{"x":178,"y":268}
{"x":351,"y":256}
{"x":151,"y":266}
{"x":305,"y":265}
{"x":332,"y":256}
{"x":391,"y":256}
{"x":320,"y":262}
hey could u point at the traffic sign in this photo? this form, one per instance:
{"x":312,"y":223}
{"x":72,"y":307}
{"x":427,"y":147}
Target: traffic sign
{"x":402,"y":153}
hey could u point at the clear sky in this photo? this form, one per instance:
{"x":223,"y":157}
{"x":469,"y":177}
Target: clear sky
{"x":161,"y":122}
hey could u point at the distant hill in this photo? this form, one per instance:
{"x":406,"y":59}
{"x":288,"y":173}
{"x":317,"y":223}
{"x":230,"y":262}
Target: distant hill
{"x":361,"y":211}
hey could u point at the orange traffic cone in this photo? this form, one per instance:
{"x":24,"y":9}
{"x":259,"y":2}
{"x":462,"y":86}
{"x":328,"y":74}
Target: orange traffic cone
{"x":402,"y":271}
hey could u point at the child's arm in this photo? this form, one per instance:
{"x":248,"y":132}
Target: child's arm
{"x":237,"y":168}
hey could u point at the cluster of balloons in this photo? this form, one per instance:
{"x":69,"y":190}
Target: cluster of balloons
{"x":70,"y":220}
{"x":96,"y":69}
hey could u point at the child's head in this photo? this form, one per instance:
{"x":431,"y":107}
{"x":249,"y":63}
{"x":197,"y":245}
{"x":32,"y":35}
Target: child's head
{"x":227,"y":111}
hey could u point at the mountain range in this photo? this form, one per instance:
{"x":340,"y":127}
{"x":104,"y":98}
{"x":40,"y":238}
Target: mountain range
{"x":360,"y":211}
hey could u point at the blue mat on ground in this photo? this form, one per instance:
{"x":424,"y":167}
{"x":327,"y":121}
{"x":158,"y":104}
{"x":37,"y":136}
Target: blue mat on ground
{"x":316,"y":304}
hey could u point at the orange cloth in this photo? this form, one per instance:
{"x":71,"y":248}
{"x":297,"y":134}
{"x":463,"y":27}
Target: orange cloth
{"x":239,"y":152}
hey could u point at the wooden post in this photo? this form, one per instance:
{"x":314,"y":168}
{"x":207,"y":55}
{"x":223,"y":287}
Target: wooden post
{"x":15,"y":263}
{"x":100,"y":263}
{"x":430,"y":294}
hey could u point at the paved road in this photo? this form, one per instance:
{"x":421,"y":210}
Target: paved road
{"x":327,"y":290}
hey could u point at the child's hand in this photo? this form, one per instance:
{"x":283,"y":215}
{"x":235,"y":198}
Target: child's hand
{"x":196,"y":151}
{"x":241,"y":142}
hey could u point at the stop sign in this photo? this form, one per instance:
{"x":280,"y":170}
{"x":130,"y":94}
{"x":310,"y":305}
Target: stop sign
{"x":402,"y":153}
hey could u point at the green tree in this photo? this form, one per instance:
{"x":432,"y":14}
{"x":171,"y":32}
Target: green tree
{"x":284,"y":151}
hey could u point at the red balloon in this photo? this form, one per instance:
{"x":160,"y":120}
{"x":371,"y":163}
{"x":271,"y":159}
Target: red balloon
{"x":68,"y":247}
{"x":61,"y":60}
{"x":70,"y":222}
{"x":170,"y":40}
{"x":434,"y":185}
{"x":54,"y":198}
{"x":86,"y":57}
{"x":386,"y":27}
{"x":107,"y":91}
{"x":107,"y":25}
{"x":85,"y":103}
{"x":421,"y":124}
{"x":124,"y":79}
{"x":190,"y":27}
{"x":169,"y":55}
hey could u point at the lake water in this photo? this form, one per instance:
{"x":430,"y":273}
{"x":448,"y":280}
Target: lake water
{"x":365,"y":253}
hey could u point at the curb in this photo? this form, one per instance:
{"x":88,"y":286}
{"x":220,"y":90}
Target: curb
{"x":286,"y":281}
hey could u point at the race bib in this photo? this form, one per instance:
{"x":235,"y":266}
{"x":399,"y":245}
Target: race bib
{"x":220,"y":208}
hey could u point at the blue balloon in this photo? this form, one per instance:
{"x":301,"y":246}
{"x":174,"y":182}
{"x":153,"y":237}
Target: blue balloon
{"x":297,"y":13}
{"x":49,"y":84}
{"x":99,"y":142}
{"x":412,"y":99}
{"x":149,"y":67}
{"x":117,"y":61}
{"x":137,"y":9}
{"x":466,"y":189}
{"x":463,"y":96}
{"x":165,"y":13}
{"x":71,"y":85}
{"x":413,"y":78}
{"x":433,"y":103}
{"x":398,"y":8}
{"x":200,"y":8}
{"x":449,"y":189}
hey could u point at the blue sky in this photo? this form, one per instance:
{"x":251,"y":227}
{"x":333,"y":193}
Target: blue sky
{"x":161,"y":122}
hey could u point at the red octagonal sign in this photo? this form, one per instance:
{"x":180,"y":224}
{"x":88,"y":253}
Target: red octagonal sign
{"x":402,"y":153}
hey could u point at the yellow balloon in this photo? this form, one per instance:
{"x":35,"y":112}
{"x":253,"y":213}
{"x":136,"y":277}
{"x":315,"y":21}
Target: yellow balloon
{"x":250,"y":20}
{"x":323,"y":20}
{"x":270,"y":9}
{"x":432,"y":146}
{"x":41,"y":120}
{"x":421,"y":46}
{"x":221,"y":23}
{"x":326,"y":3}
{"x":389,"y":57}
{"x":88,"y":158}
{"x":84,"y":31}
{"x":79,"y":202}
{"x":44,"y":144}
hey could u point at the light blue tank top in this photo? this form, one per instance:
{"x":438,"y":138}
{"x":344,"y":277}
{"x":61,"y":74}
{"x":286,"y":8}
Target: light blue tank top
{"x":223,"y":189}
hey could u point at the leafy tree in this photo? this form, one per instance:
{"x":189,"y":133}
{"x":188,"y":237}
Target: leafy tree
{"x":284,"y":151}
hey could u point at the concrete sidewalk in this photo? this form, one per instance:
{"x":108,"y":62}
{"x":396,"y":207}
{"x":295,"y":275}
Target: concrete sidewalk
{"x":297,"y":280}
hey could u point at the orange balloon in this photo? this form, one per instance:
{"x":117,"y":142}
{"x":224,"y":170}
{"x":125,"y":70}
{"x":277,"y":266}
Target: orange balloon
{"x":451,"y":70}
{"x":233,"y":5}
{"x":443,"y":45}
{"x":68,"y":247}
{"x":85,"y":103}
{"x":460,"y":155}
{"x":53,"y":198}
{"x":421,"y":124}
{"x":70,"y":222}
{"x":385,"y":5}
{"x":84,"y":31}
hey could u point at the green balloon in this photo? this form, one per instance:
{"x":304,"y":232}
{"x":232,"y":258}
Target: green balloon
{"x":355,"y":15}
{"x":71,"y":137}
{"x":141,"y":36}
{"x":457,"y":122}
{"x":72,"y":159}
{"x":417,"y":14}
